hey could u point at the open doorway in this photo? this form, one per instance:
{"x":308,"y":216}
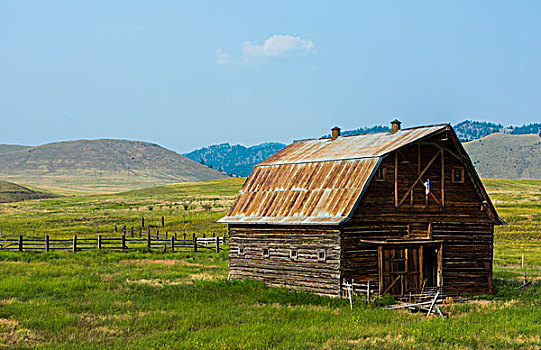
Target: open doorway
{"x":430,"y":266}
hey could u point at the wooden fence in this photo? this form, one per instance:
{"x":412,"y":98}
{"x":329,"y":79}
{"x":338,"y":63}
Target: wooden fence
{"x":123,"y":243}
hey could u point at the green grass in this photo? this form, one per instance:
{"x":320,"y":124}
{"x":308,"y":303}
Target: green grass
{"x":66,"y":216}
{"x":98,"y":299}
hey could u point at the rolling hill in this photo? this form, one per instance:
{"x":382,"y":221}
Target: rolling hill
{"x":100,"y":165}
{"x":10,"y":192}
{"x":505,"y":156}
{"x":10,"y":148}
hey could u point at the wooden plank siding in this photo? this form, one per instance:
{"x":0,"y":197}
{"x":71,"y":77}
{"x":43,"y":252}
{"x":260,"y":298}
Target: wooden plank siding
{"x":306,"y":272}
{"x":465,"y":229}
{"x":462,"y":202}
{"x":467,"y":249}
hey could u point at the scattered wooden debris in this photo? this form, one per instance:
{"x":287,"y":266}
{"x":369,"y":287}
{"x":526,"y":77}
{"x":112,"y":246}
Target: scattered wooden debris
{"x":421,"y":306}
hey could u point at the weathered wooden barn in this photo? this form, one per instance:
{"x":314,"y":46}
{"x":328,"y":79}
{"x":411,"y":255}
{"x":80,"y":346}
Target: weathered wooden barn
{"x":403,"y":209}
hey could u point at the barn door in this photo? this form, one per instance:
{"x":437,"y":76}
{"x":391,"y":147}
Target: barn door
{"x":399,"y":269}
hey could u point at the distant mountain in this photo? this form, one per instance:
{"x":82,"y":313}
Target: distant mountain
{"x":10,"y":192}
{"x":103,"y":165}
{"x":506,"y":156}
{"x":363,"y":130}
{"x":234,"y":159}
{"x":467,"y":130}
{"x":472,"y":130}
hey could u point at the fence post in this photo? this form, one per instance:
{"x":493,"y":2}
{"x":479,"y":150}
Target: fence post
{"x":175,"y":236}
{"x":173,"y":243}
{"x":115,"y":228}
{"x":194,"y":243}
{"x":99,"y":242}
{"x":165,"y":234}
{"x":46,"y":243}
{"x":157,"y":234}
{"x":143,"y":222}
{"x":123,"y":242}
{"x":20,"y":243}
{"x":184,"y":236}
{"x":217,"y":244}
{"x":74,"y":243}
{"x":163,"y":221}
{"x":148,"y":241}
{"x":140,"y":231}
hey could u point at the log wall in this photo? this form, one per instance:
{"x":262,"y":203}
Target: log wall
{"x":306,"y":272}
{"x":467,"y":255}
{"x":360,"y":260}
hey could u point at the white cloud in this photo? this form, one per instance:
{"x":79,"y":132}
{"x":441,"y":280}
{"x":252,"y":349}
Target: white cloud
{"x":275,"y":46}
{"x":222,"y":57}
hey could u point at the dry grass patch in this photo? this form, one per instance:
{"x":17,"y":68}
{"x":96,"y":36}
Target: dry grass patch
{"x":158,"y":283}
{"x":12,"y":334}
{"x":170,"y":262}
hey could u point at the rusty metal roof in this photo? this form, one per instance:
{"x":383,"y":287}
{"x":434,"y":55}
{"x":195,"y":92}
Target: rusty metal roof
{"x":316,"y":181}
{"x":349,"y":147}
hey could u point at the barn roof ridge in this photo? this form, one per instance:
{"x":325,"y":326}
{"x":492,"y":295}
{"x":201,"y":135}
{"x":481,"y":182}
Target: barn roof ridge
{"x":374,"y":133}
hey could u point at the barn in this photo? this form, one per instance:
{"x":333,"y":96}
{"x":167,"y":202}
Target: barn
{"x":404,"y":210}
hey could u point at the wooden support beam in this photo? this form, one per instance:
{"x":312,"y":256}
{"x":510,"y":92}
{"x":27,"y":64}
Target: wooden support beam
{"x":440,"y":266}
{"x":418,"y":158}
{"x":380,"y":269}
{"x":442,"y":204}
{"x":491,"y":288}
{"x":418,"y":178}
{"x":421,"y":277}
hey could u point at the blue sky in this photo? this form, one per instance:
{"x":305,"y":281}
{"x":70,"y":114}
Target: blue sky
{"x":189,"y":74}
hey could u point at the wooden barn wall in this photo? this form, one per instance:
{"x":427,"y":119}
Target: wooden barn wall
{"x":462,"y":203}
{"x":278,"y":269}
{"x":467,"y":255}
{"x":466,"y":230}
{"x":360,"y":260}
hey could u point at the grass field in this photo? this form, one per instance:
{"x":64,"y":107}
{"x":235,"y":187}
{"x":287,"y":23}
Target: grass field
{"x":139,"y":300}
